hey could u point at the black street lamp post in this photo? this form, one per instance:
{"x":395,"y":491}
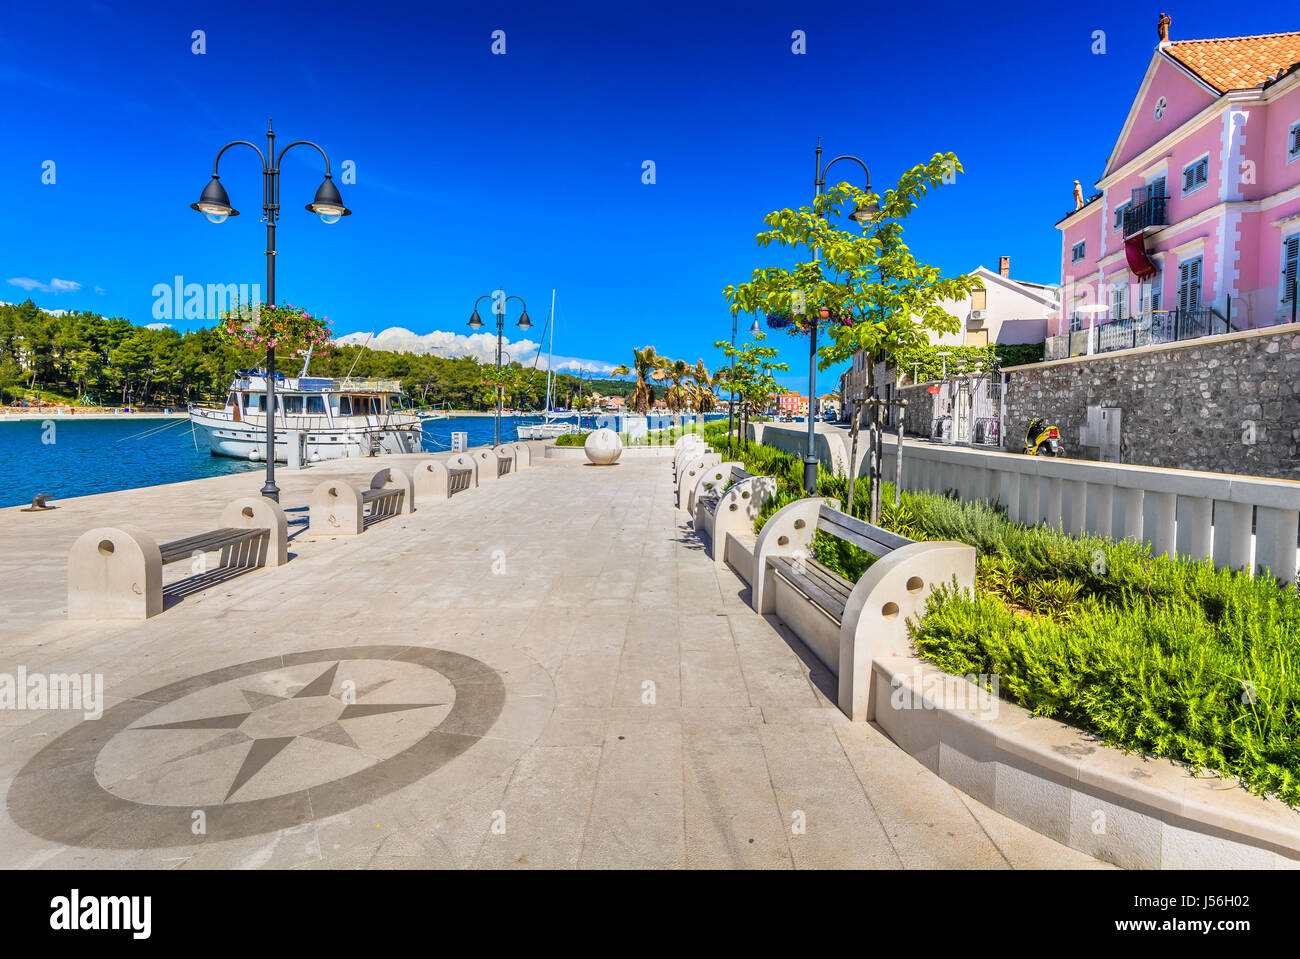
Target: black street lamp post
{"x":863,"y":215}
{"x":499,"y":300}
{"x":215,"y":205}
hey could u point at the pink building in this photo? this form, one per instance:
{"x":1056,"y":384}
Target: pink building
{"x":1196,"y":225}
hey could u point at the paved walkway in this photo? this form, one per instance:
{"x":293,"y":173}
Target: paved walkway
{"x":546,"y":671}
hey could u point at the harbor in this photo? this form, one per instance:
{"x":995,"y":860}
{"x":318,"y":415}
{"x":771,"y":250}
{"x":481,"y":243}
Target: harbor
{"x":614,"y":700}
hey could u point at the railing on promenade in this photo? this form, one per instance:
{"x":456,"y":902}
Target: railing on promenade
{"x":1239,"y":522}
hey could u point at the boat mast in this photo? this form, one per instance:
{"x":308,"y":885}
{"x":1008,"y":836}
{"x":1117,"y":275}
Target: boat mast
{"x":550,"y":356}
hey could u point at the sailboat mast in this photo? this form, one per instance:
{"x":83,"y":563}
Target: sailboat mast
{"x":550,"y":356}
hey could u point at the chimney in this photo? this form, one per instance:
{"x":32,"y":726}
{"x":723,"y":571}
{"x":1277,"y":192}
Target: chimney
{"x":1004,"y":266}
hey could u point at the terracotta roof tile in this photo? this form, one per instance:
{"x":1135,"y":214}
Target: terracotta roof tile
{"x":1237,"y":63}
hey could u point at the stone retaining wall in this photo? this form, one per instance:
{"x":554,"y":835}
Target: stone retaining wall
{"x":1228,"y":404}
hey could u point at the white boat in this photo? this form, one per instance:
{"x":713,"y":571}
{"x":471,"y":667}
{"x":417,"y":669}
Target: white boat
{"x":556,"y":423}
{"x":325,"y":418}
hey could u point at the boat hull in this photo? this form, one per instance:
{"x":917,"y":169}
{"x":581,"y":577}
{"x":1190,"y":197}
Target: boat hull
{"x":246,"y":439}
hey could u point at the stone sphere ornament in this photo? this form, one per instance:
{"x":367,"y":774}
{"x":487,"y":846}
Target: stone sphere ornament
{"x":603,"y":447}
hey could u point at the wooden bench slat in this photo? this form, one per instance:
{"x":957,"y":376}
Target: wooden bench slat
{"x":830,"y":603}
{"x":207,"y":542}
{"x":830,"y":580}
{"x":873,"y":539}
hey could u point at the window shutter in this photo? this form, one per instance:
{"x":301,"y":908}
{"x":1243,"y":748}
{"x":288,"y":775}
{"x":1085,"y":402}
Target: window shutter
{"x":1290,"y":268}
{"x":1189,"y":176}
{"x":1203,"y":171}
{"x":1295,"y":140}
{"x":1156,"y":188}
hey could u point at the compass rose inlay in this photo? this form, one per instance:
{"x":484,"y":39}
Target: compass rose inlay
{"x":259,"y":746}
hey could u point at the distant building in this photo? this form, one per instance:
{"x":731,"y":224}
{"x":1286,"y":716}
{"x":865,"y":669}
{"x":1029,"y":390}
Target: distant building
{"x":790,"y":404}
{"x":1195,"y":225}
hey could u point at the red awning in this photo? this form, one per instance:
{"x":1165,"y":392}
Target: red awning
{"x":1138,"y":261}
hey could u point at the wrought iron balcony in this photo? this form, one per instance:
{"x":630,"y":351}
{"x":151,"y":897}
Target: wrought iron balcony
{"x":1151,"y":213}
{"x":1146,"y":329}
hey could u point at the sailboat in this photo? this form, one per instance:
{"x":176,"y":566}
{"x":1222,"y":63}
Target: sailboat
{"x":554,"y":422}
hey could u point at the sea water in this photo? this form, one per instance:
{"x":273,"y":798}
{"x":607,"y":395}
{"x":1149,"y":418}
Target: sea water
{"x":64,"y":456}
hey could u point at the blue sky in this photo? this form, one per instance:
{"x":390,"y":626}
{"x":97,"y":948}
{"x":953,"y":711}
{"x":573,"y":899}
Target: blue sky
{"x":476,"y":170}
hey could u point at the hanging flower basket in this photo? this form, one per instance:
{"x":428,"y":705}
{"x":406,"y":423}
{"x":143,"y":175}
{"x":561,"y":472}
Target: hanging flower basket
{"x":285,"y":328}
{"x":800,"y":325}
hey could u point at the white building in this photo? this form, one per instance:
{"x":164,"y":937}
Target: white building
{"x":1005,"y":311}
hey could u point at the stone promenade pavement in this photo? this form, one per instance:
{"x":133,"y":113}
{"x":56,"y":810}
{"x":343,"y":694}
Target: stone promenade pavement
{"x":544,"y":672}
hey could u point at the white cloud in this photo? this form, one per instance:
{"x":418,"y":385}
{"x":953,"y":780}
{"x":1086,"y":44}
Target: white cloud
{"x":157,"y":326}
{"x":54,"y":286}
{"x":481,"y":346}
{"x":100,"y":290}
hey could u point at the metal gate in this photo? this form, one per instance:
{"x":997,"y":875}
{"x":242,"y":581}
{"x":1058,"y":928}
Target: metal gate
{"x":967,"y":411}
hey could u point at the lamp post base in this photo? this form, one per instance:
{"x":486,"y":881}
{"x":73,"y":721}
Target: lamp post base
{"x":271,"y":492}
{"x":810,"y":474}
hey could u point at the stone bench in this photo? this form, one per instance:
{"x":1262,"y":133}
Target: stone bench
{"x":116,"y":572}
{"x":507,"y":458}
{"x":729,"y":507}
{"x":701,"y":476}
{"x":337,"y":508}
{"x":491,"y":463}
{"x":684,"y":452}
{"x":434,"y":480}
{"x":848,"y":625}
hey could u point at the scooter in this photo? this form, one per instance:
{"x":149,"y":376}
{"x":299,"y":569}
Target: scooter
{"x":1042,"y":440}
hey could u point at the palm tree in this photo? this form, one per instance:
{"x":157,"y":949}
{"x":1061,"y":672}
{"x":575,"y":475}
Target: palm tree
{"x":677,"y":371}
{"x":701,"y":390}
{"x":648,"y":366}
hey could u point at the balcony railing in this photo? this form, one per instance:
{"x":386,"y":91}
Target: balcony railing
{"x":1147,"y":329}
{"x":1150,"y":213}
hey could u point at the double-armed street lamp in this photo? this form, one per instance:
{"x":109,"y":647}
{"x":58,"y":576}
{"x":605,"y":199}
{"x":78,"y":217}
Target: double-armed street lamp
{"x":731,"y":377}
{"x":499,"y":300}
{"x":863,"y":214}
{"x":214,"y":203}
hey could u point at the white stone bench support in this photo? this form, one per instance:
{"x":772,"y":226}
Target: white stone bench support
{"x":689,"y":475}
{"x":392,"y":478}
{"x":432,"y":481}
{"x":258,"y":512}
{"x":335,"y":508}
{"x":895,"y":589}
{"x":488,"y":463}
{"x":462,"y":461}
{"x":734,"y":512}
{"x":713,"y":477}
{"x":523,"y":456}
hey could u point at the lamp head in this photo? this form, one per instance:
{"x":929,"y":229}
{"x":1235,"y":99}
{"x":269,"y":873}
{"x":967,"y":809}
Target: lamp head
{"x":214,"y":203}
{"x":524,"y":322}
{"x":754,"y":330}
{"x":866,"y":210}
{"x":328,"y":205}
{"x":475,"y":321}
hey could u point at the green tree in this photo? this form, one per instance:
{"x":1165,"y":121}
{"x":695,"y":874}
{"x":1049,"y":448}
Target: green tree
{"x":868,"y":292}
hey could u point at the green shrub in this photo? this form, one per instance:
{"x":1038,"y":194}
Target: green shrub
{"x":1166,"y":657}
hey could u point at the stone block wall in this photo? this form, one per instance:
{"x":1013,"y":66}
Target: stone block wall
{"x":1227,"y":404}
